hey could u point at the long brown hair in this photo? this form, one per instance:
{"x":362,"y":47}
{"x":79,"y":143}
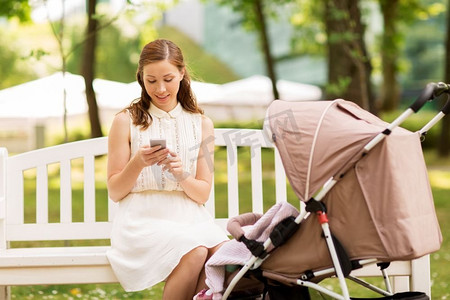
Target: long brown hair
{"x":155,"y":51}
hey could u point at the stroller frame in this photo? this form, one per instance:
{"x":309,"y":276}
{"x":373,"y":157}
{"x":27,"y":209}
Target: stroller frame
{"x":314,"y":205}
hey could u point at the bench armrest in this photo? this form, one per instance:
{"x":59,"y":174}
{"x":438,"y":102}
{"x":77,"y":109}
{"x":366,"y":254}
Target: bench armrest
{"x":3,"y":157}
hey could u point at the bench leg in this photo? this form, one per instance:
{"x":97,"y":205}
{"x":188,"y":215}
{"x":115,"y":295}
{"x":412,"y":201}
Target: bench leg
{"x":400,"y":284}
{"x":5,"y":292}
{"x":421,"y":275}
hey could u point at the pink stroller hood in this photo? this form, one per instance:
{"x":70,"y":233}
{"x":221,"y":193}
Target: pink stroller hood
{"x":382,"y":208}
{"x":317,"y":138}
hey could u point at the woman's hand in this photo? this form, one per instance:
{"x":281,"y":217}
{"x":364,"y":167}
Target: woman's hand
{"x":148,"y":156}
{"x":172,"y":163}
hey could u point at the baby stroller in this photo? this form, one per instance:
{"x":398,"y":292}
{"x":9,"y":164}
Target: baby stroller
{"x":367,"y":183}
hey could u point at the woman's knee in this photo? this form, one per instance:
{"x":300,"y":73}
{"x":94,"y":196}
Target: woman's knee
{"x":197,"y":255}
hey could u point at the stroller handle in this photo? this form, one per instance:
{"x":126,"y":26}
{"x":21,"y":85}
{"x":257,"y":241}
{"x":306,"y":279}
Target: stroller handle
{"x":236,"y":223}
{"x":446,"y":109}
{"x":430,"y":92}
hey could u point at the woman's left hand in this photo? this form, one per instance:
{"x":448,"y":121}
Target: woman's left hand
{"x":174,"y":166}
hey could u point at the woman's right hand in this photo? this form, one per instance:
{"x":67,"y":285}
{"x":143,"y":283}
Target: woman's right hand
{"x":148,"y":156}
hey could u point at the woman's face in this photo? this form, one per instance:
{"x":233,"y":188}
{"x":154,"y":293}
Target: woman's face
{"x":162,"y":82}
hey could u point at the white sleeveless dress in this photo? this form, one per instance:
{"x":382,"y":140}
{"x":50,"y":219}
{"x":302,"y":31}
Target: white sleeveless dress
{"x":157,"y":223}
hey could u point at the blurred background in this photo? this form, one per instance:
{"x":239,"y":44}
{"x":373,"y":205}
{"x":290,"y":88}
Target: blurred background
{"x":67,"y":66}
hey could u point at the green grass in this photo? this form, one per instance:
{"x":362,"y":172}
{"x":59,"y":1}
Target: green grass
{"x":439,"y":173}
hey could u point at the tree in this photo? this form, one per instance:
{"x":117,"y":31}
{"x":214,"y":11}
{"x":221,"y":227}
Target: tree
{"x":88,"y":61}
{"x":444,"y":145}
{"x":398,"y":16}
{"x":389,"y":98}
{"x":116,"y":63}
{"x":349,"y":67}
{"x":254,"y":14}
{"x":265,"y":44}
{"x":88,"y":69}
{"x":58,"y":33}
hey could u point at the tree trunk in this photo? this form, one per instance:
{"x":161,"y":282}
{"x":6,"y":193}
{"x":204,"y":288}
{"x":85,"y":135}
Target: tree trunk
{"x":444,"y":141}
{"x":349,"y":68}
{"x":88,"y":70}
{"x":266,"y":46}
{"x":390,"y":89}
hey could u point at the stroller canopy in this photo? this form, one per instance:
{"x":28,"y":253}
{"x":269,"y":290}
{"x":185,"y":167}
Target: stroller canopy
{"x":382,"y":206}
{"x":318,"y":138}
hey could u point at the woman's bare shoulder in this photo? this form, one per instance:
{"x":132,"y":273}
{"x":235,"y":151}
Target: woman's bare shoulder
{"x":120,"y":124}
{"x":207,"y":123}
{"x":121,"y":119}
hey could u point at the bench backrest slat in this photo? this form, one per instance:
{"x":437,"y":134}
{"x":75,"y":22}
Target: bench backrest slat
{"x":14,"y":213}
{"x":63,"y":156}
{"x":256,"y":171}
{"x":65,"y":213}
{"x":3,"y":161}
{"x":42,"y":194}
{"x":89,"y":189}
{"x":233,"y":185}
{"x":280,"y":178}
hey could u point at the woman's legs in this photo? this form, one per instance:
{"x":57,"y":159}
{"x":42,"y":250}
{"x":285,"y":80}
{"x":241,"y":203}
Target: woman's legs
{"x":201,"y":279}
{"x":182,"y":282}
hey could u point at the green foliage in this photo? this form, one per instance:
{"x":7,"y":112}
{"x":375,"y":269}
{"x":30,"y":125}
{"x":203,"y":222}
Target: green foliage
{"x":424,"y":52}
{"x":202,"y":65}
{"x":119,"y":62}
{"x":78,"y":134}
{"x":116,"y":56}
{"x":15,"y":8}
{"x":255,"y":124}
{"x":37,"y":54}
{"x":309,"y":35}
{"x":416,"y":122}
{"x":12,"y":69}
{"x":246,"y":8}
{"x":339,"y":87}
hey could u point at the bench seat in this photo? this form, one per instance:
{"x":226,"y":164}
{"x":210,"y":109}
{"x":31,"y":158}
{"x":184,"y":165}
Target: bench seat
{"x":58,"y":265}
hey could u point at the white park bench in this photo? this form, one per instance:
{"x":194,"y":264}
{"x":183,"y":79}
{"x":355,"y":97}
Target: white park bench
{"x":65,"y":264}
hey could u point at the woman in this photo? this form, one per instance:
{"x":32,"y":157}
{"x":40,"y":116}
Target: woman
{"x":162,"y":231}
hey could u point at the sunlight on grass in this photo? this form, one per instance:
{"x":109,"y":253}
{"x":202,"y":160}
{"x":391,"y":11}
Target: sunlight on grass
{"x":439,"y":179}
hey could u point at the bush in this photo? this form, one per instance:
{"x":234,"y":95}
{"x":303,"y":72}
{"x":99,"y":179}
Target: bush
{"x":417,"y":122}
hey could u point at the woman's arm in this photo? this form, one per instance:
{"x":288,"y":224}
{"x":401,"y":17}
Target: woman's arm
{"x":122,"y":171}
{"x":197,"y":188}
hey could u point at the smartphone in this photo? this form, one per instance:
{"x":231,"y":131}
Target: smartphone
{"x":156,"y":142}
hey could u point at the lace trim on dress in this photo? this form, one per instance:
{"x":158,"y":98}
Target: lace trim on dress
{"x":163,"y":176}
{"x":140,"y":180}
{"x":196,"y":144}
{"x":177,"y":141}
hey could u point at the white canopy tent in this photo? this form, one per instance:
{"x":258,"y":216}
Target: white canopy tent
{"x":257,"y":90}
{"x":39,"y":103}
{"x":43,"y":98}
{"x":246,"y":99}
